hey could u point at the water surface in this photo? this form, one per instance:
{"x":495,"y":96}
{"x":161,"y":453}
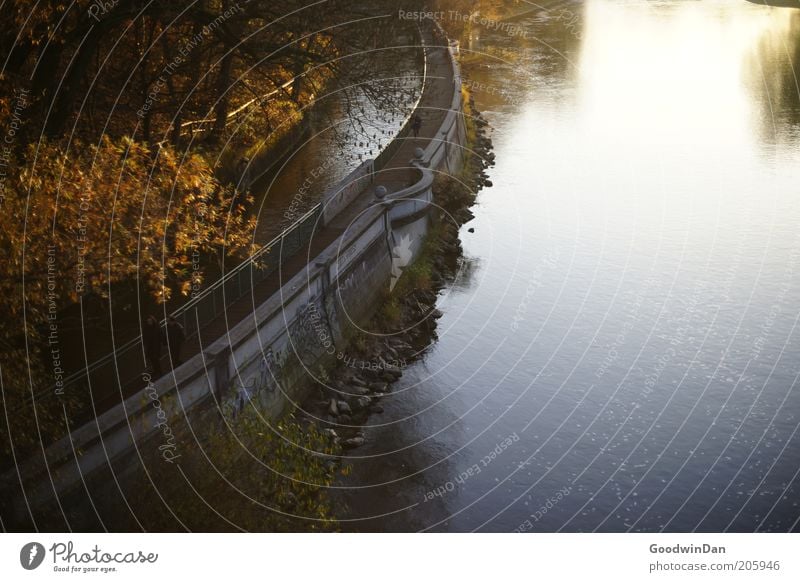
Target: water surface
{"x":624,"y":352}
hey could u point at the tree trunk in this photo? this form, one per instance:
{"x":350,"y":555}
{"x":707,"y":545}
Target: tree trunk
{"x":223,"y":97}
{"x":64,"y":100}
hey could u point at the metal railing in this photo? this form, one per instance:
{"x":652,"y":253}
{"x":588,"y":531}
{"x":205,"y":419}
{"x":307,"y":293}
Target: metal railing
{"x":206,"y":306}
{"x":238,"y":282}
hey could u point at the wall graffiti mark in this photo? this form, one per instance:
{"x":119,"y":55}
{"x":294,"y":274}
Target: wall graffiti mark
{"x":264,"y":380}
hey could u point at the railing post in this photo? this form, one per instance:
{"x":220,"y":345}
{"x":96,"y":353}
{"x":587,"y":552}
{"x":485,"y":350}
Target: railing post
{"x":222,"y":376}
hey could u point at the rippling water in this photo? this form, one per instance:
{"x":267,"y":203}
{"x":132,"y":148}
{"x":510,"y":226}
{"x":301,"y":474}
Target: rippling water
{"x":624,"y":352}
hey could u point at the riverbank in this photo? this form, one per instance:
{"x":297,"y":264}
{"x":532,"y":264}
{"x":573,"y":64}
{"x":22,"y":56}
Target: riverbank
{"x":299,"y":458}
{"x":404,"y":326}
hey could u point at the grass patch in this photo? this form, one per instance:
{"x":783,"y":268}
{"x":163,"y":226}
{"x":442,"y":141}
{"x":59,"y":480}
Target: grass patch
{"x":266,"y":476}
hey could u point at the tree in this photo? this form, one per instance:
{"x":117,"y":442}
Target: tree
{"x":81,"y":221}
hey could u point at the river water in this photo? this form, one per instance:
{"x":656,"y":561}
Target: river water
{"x":622,"y":350}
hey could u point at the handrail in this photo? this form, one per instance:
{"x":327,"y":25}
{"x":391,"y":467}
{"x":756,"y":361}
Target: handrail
{"x":204,"y":294}
{"x":246,"y":263}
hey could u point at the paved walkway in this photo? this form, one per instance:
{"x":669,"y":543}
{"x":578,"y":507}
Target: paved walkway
{"x":396,"y":175}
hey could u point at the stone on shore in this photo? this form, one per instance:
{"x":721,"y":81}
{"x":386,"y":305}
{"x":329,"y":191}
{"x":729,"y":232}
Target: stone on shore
{"x":352,"y":443}
{"x":379,"y":386}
